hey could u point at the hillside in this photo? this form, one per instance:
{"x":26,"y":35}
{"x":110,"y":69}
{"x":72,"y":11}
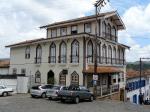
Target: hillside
{"x":136,"y":65}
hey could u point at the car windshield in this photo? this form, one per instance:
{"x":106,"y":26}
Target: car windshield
{"x":56,"y":88}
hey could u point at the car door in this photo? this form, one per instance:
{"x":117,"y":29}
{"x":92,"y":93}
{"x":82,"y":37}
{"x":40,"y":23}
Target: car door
{"x":1,"y":90}
{"x":85,"y":92}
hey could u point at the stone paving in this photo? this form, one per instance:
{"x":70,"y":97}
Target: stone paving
{"x":23,"y":103}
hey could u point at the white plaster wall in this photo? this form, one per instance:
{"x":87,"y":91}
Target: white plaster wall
{"x":4,"y":71}
{"x":18,"y":61}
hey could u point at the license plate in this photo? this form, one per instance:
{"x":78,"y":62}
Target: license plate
{"x":64,"y":97}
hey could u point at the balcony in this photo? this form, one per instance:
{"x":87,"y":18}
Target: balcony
{"x":62,"y":59}
{"x":74,"y":59}
{"x":107,"y":60}
{"x":38,"y":60}
{"x":110,"y":36}
{"x":52,"y":59}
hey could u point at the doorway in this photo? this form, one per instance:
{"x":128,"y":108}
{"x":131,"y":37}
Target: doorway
{"x":50,"y":77}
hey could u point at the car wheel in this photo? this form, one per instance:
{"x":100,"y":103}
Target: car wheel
{"x":50,"y":98}
{"x":91,"y":98}
{"x":43,"y":95}
{"x":32,"y":96}
{"x":5,"y":94}
{"x":77,"y":100}
{"x":62,"y":100}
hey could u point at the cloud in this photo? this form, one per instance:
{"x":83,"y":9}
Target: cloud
{"x":137,"y":20}
{"x":20,"y":19}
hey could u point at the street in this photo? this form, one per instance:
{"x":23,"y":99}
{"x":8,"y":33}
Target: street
{"x":23,"y":103}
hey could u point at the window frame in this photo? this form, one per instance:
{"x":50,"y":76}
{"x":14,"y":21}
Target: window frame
{"x":75,"y":31}
{"x":60,"y":52}
{"x":88,"y":56}
{"x":61,"y":29}
{"x":38,"y":73}
{"x":78,"y":53}
{"x":27,"y":52}
{"x":55,"y":29}
{"x":86,"y":27}
{"x":50,"y":53}
{"x":74,"y":82}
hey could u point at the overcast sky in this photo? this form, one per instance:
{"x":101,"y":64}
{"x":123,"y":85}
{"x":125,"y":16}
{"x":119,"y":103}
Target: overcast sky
{"x":20,"y":20}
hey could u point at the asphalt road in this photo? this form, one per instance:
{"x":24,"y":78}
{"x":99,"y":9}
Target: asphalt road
{"x":23,"y":103}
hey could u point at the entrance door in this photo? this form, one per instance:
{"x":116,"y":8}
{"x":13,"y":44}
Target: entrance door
{"x":50,"y":77}
{"x":135,"y":98}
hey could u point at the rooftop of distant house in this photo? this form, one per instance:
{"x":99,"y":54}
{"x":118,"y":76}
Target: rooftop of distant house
{"x":135,"y":74}
{"x":4,"y":63}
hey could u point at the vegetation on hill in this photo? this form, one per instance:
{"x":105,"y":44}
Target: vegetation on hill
{"x":136,"y":65}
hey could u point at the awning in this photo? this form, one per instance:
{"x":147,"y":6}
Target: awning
{"x":103,"y":69}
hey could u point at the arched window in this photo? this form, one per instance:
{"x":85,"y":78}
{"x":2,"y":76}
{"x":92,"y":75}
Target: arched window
{"x":38,"y":54}
{"x":114,"y":55}
{"x":90,"y":52}
{"x":98,"y":53}
{"x":75,"y":52}
{"x":52,"y":56}
{"x":109,"y":31}
{"x":109,"y":55}
{"x":104,"y":54}
{"x":113,"y":33}
{"x":63,"y":52}
{"x":27,"y":52}
{"x":38,"y":77}
{"x":121,"y":55}
{"x":74,"y":78}
{"x":104,"y":28}
{"x":62,"y":79}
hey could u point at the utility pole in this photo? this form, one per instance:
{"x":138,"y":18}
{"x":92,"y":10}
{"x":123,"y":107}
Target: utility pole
{"x":141,"y":71}
{"x":98,"y":5}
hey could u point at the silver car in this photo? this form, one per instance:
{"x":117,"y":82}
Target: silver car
{"x":53,"y":93}
{"x":40,"y":90}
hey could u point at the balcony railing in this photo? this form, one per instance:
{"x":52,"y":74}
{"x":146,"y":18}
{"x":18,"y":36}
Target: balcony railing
{"x":52,"y":59}
{"x":109,"y":36}
{"x":74,"y":59}
{"x":104,"y":90}
{"x":62,"y":59}
{"x":108,"y":60}
{"x":38,"y":60}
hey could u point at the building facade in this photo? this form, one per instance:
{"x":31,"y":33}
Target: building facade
{"x":66,"y":56}
{"x":135,"y":85}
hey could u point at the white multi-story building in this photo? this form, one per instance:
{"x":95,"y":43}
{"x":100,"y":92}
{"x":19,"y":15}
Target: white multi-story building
{"x":66,"y":56}
{"x":135,"y":85}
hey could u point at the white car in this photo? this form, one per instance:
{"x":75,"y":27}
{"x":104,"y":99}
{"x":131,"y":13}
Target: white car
{"x":40,"y":90}
{"x":4,"y":91}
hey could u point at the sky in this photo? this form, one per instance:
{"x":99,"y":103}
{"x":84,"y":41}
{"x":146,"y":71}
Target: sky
{"x":20,"y":20}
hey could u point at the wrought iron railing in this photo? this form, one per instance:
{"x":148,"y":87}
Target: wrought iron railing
{"x":38,"y":60}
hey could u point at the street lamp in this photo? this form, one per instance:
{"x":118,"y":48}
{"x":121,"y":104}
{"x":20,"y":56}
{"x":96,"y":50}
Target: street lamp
{"x":98,"y":5}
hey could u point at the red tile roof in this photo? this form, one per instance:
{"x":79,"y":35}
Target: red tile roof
{"x":4,"y":63}
{"x":103,"y":69}
{"x":133,"y":73}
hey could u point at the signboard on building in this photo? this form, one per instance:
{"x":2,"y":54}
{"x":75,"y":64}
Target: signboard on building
{"x":95,"y":77}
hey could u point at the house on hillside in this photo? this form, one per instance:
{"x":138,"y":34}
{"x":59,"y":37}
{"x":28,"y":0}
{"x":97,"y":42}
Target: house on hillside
{"x":134,"y":84}
{"x":66,"y":55}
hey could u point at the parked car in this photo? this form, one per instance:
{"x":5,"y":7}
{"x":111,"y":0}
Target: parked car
{"x":53,"y":93}
{"x":75,"y":93}
{"x":40,"y":90}
{"x":146,"y":102}
{"x":4,"y":91}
